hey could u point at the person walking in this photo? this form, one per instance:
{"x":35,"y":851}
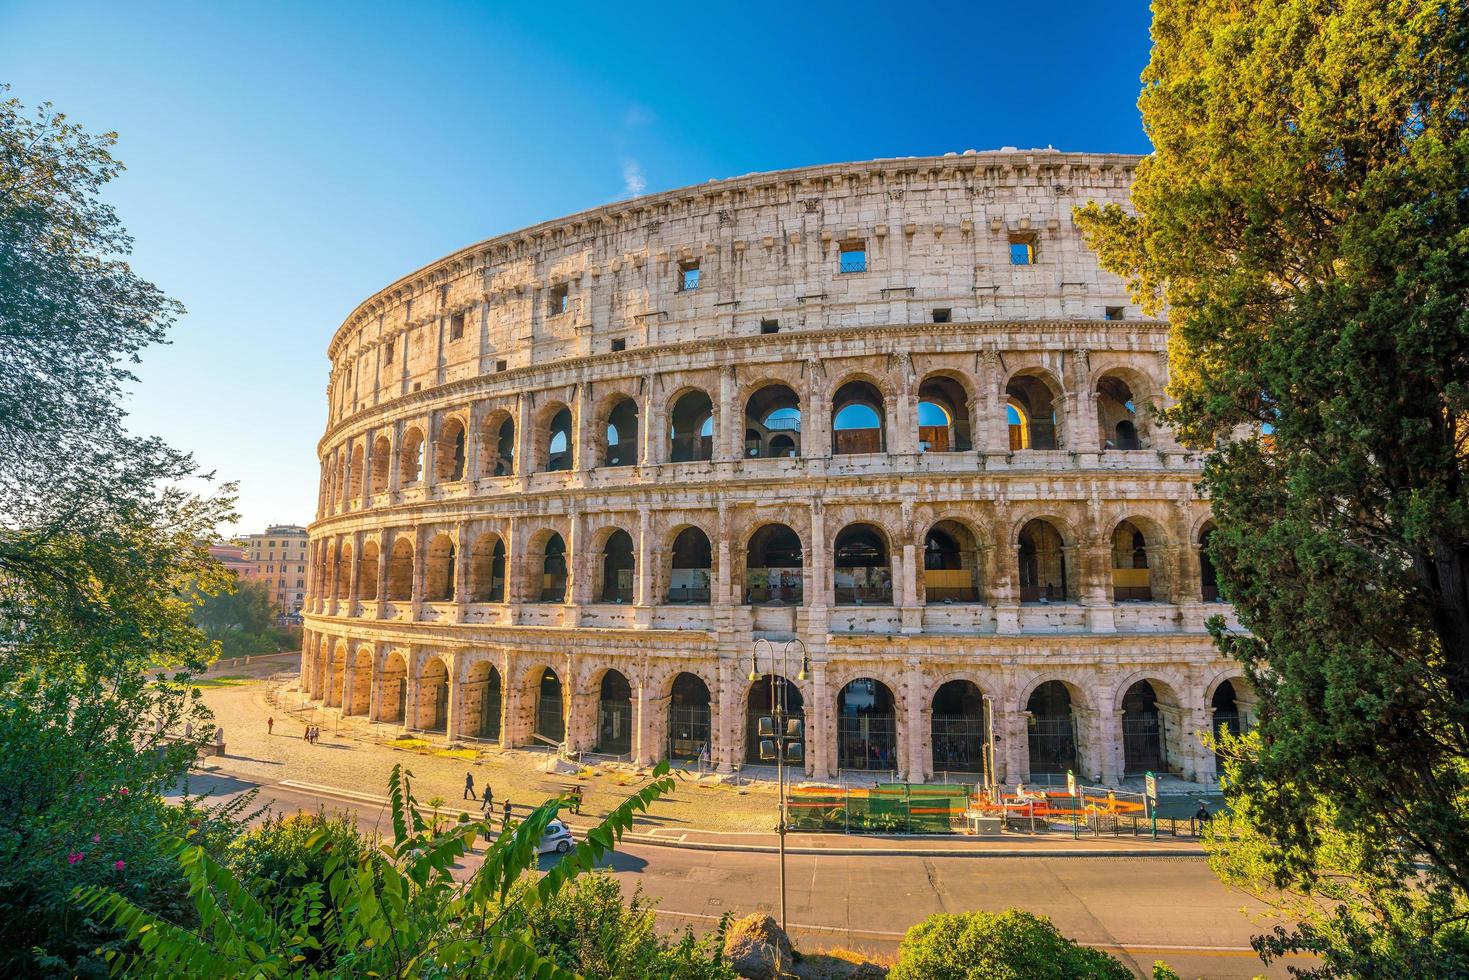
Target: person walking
{"x":306,"y":735}
{"x":505,"y":818}
{"x":469,"y":787}
{"x":488,"y":815}
{"x":1202,"y":816}
{"x":270,"y":725}
{"x":489,"y":797}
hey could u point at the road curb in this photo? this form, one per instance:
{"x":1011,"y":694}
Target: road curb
{"x":689,"y":845}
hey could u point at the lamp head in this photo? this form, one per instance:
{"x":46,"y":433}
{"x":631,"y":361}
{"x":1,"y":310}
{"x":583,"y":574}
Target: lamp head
{"x":754,"y":677}
{"x":802,"y":675}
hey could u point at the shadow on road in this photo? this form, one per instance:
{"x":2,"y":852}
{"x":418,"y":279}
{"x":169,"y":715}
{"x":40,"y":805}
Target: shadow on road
{"x":616,"y":861}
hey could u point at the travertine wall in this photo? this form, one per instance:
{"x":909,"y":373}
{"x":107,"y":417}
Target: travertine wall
{"x":486,"y":349}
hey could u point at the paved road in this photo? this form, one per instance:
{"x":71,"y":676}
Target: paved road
{"x":1140,"y":909}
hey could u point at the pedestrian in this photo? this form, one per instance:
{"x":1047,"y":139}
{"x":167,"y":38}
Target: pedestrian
{"x":1202,"y":816}
{"x":489,"y":797}
{"x":505,"y":818}
{"x":488,"y":816}
{"x":306,"y":735}
{"x":469,"y":787}
{"x":270,"y":725}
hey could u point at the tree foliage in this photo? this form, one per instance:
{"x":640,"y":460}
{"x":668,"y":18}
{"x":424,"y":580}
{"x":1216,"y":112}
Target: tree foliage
{"x":397,"y":912}
{"x":101,"y":548}
{"x":1010,"y":945}
{"x":1303,"y":222}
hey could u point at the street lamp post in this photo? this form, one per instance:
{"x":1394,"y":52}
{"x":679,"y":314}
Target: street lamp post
{"x":781,"y":737}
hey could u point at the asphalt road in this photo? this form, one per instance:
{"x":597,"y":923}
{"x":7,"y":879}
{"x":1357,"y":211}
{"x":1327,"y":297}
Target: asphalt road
{"x":1139,"y":909}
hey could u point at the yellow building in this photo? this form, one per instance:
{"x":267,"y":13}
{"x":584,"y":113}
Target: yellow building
{"x":278,"y":558}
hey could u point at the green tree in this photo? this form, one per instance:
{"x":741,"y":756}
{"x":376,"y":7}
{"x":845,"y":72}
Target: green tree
{"x":393,"y":911}
{"x":1010,"y":945}
{"x":1303,"y":222}
{"x":245,"y":609}
{"x":102,"y":544}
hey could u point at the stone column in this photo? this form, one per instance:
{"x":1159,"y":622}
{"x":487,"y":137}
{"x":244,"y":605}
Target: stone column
{"x":577,"y":576}
{"x":454,"y":718}
{"x":335,"y":557}
{"x":1106,"y":757}
{"x":722,"y":590}
{"x":905,"y":438}
{"x":819,"y":596}
{"x":722,"y":751}
{"x":645,"y":749}
{"x":820,"y":732}
{"x":461,"y":571}
{"x":643,"y":583}
{"x":815,"y":416}
{"x":729,"y":422}
{"x":429,"y":477}
{"x":524,"y":435}
{"x":395,"y":459}
{"x":374,"y":686}
{"x":420,"y":568}
{"x":914,"y":765}
{"x":583,"y":417}
{"x":384,"y":552}
{"x":1094,"y":556}
{"x":1085,"y":432}
{"x":355,"y":574}
{"x":410,"y":697}
{"x":653,"y":434}
{"x":994,"y":436}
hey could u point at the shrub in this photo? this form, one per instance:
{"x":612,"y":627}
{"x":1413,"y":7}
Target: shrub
{"x":284,"y":854}
{"x":1013,"y":945}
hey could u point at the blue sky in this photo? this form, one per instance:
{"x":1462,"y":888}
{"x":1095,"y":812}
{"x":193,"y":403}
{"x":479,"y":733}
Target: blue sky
{"x":286,"y":160}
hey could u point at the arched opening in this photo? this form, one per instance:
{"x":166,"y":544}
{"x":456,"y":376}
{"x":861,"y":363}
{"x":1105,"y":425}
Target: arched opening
{"x":1117,"y":415}
{"x":559,"y":441}
{"x":497,"y":445}
{"x":692,"y":564}
{"x":688,"y":717}
{"x":958,"y":726}
{"x":338,"y":682}
{"x":1132,"y":578}
{"x":614,"y":715}
{"x":861,"y":571}
{"x":951,"y":564}
{"x":1208,"y":577}
{"x":943,"y":416}
{"x":553,"y":570}
{"x":439,"y":572}
{"x":360,"y":682}
{"x":400,"y":571}
{"x":622,"y":434}
{"x":449,"y":458}
{"x":1032,"y":413}
{"x":867,"y":726}
{"x":367,"y":572}
{"x":619,"y":567}
{"x":393,"y":690}
{"x":1142,"y":730}
{"x":1043,"y":573}
{"x":691,"y":428}
{"x":354,"y":473}
{"x":1052,"y":730}
{"x":764,"y":695}
{"x":382,"y":462}
{"x":483,"y":699}
{"x":433,"y":697}
{"x":857,"y":419}
{"x":487,"y":568}
{"x":1226,"y":720}
{"x":773,"y":566}
{"x":344,"y":571}
{"x":773,"y":412}
{"x":410,"y":458}
{"x":550,"y":723}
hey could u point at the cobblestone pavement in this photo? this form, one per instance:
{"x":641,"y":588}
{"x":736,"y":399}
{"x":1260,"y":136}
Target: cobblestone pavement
{"x":359,"y":757}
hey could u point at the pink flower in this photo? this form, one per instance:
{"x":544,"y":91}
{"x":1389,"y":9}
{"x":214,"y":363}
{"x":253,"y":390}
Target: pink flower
{"x":124,"y":791}
{"x":96,"y":838}
{"x":74,"y":857}
{"x":118,"y":866}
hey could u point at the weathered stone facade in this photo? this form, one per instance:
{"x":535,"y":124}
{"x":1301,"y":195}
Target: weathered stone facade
{"x":894,"y":410}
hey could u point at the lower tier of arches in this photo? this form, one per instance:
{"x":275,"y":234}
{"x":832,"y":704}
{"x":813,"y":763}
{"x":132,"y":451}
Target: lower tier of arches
{"x":915,"y":718}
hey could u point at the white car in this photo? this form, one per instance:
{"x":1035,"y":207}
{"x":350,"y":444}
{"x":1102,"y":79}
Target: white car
{"x":556,"y":838}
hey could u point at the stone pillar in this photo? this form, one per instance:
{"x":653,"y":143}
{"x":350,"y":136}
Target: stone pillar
{"x":1197,"y":721}
{"x":729,"y":422}
{"x":905,"y":438}
{"x":1094,"y":557}
{"x":410,"y":697}
{"x":384,"y":549}
{"x":395,"y":459}
{"x":722,"y":589}
{"x":1084,"y":431}
{"x":643,"y":583}
{"x":820,"y":732}
{"x":651,"y":430}
{"x":461,"y":570}
{"x":428,"y":478}
{"x":581,"y":721}
{"x":577,"y":576}
{"x":354,"y":575}
{"x":472,"y":444}
{"x":420,"y":567}
{"x":815,"y":415}
{"x":645,"y":735}
{"x":374,"y":686}
{"x":524,"y":435}
{"x":583,"y":417}
{"x":819,"y":595}
{"x":335,"y":557}
{"x":725,"y":738}
{"x":994,"y":435}
{"x":916,"y":724}
{"x":1106,"y":757}
{"x":454,"y":719}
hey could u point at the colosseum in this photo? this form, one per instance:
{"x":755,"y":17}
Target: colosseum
{"x":889,"y":416}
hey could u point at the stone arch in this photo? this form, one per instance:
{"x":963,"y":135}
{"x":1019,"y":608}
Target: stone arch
{"x":773,"y":419}
{"x":945,"y":412}
{"x":868,"y":724}
{"x":344,"y":570}
{"x":1152,"y":724}
{"x":354,"y":471}
{"x":862,"y":565}
{"x":359,"y":681}
{"x":554,"y":446}
{"x":773,"y":565}
{"x":952,"y":569}
{"x":617,"y":566}
{"x":546,"y":565}
{"x":451,"y":450}
{"x":859,"y":417}
{"x":367,"y":571}
{"x":431,"y":713}
{"x":392,"y":685}
{"x":1035,"y":402}
{"x":1043,"y":569}
{"x":692,"y":429}
{"x":497,"y":444}
{"x":957,"y":727}
{"x":487,"y":568}
{"x":690,"y":565}
{"x":1127,"y":400}
{"x":617,"y":430}
{"x":547,"y":693}
{"x":615,"y":716}
{"x":1208,"y":573}
{"x":411,"y":456}
{"x":1140,"y":558}
{"x":382,"y":463}
{"x":760,"y":699}
{"x":690,"y":716}
{"x":400,"y":569}
{"x":1053,"y":738}
{"x":440,"y":564}
{"x":484,"y":701}
{"x":337,"y":678}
